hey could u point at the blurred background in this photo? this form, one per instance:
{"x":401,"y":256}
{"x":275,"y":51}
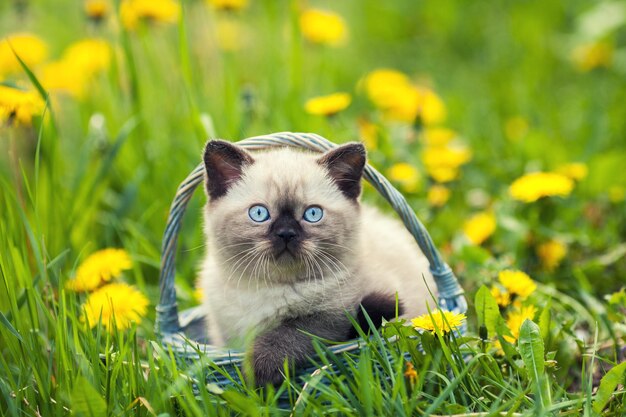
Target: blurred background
{"x":456,"y":101}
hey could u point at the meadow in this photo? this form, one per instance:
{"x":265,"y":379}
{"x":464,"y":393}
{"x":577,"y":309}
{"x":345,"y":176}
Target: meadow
{"x":503,"y":123}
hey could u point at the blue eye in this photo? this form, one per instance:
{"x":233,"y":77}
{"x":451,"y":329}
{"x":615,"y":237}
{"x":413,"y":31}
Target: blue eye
{"x":259,"y":213}
{"x":313,"y":214}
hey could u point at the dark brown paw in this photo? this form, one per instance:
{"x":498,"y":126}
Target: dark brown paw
{"x":267,"y":367}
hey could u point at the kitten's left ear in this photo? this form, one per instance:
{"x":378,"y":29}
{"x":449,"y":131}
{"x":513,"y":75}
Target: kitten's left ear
{"x":224,"y":164}
{"x":345,"y":165}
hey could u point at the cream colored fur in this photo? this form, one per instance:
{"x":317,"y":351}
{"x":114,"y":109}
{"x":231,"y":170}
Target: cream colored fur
{"x":365,"y":251}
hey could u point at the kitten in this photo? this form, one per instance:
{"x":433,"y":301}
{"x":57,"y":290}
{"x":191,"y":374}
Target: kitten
{"x":291,"y":251}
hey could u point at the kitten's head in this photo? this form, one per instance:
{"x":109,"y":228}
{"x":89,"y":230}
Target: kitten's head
{"x":282,"y":215}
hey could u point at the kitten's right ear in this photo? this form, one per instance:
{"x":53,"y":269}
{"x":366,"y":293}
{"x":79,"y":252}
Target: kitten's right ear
{"x":345,"y":166}
{"x":224,"y":164}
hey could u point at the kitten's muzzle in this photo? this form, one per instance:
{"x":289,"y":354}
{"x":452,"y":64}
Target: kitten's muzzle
{"x":286,"y":234}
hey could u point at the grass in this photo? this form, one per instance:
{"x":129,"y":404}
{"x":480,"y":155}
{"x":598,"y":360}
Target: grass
{"x":101,"y":170}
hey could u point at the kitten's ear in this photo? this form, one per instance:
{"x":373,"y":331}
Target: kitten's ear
{"x":224,"y":164}
{"x":345,"y":166}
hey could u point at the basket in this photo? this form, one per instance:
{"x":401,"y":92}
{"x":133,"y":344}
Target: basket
{"x":186,"y":333}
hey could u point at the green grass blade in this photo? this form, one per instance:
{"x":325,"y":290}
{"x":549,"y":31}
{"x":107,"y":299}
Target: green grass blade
{"x":608,"y":383}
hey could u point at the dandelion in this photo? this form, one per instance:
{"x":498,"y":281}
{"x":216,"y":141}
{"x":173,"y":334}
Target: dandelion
{"x":551,"y":253}
{"x":117,"y":305}
{"x":382,"y":85}
{"x":327,"y":105}
{"x":589,"y":56}
{"x":97,"y":10}
{"x":517,"y":283}
{"x":438,"y":195}
{"x":515,"y":128}
{"x":228,"y":5}
{"x":443,"y":163}
{"x":480,"y":227}
{"x":30,"y":48}
{"x":531,"y":187}
{"x":406,"y":175}
{"x":438,"y":136}
{"x":503,"y":298}
{"x":132,"y":12}
{"x":80,"y":62}
{"x":574,"y":170}
{"x":91,"y":55}
{"x":515,"y":320}
{"x":445,"y":321}
{"x":431,"y":109}
{"x":99,"y":267}
{"x":17,"y":107}
{"x":399,"y":100}
{"x":323,"y":27}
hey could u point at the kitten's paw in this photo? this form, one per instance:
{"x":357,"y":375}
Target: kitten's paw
{"x":267,"y":367}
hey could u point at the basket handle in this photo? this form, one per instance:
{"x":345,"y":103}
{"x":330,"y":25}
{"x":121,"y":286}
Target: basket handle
{"x":450,"y":294}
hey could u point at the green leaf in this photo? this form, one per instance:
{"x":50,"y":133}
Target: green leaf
{"x":545,"y":320}
{"x":531,"y":349}
{"x":487,"y":309}
{"x":9,"y":326}
{"x":608,"y":383}
{"x":86,"y":401}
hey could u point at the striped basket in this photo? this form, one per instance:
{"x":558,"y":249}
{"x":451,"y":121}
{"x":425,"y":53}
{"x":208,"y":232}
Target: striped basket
{"x":186,"y":333}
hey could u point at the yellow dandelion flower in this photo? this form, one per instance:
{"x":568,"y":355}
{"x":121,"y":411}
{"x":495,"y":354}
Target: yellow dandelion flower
{"x":97,"y":10}
{"x":406,"y":175}
{"x":132,"y":12}
{"x":517,"y":282}
{"x":617,"y":193}
{"x":443,"y":174}
{"x":323,"y":27}
{"x":503,"y":298}
{"x":515,"y":128}
{"x":403,"y":105}
{"x":368,"y":132}
{"x":479,"y":227}
{"x":574,"y":170}
{"x":531,"y":187}
{"x":551,"y":253}
{"x":65,"y":77}
{"x":117,"y":305}
{"x":382,"y":86}
{"x":437,"y":136}
{"x":515,"y":320}
{"x":445,"y":321}
{"x":17,"y":107}
{"x":431,"y":108}
{"x":328,"y":105}
{"x":228,"y":5}
{"x":81,"y":61}
{"x":393,"y":93}
{"x":101,"y":266}
{"x":30,"y":48}
{"x":90,"y":55}
{"x":442,"y":162}
{"x":589,"y":56}
{"x":438,"y":195}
